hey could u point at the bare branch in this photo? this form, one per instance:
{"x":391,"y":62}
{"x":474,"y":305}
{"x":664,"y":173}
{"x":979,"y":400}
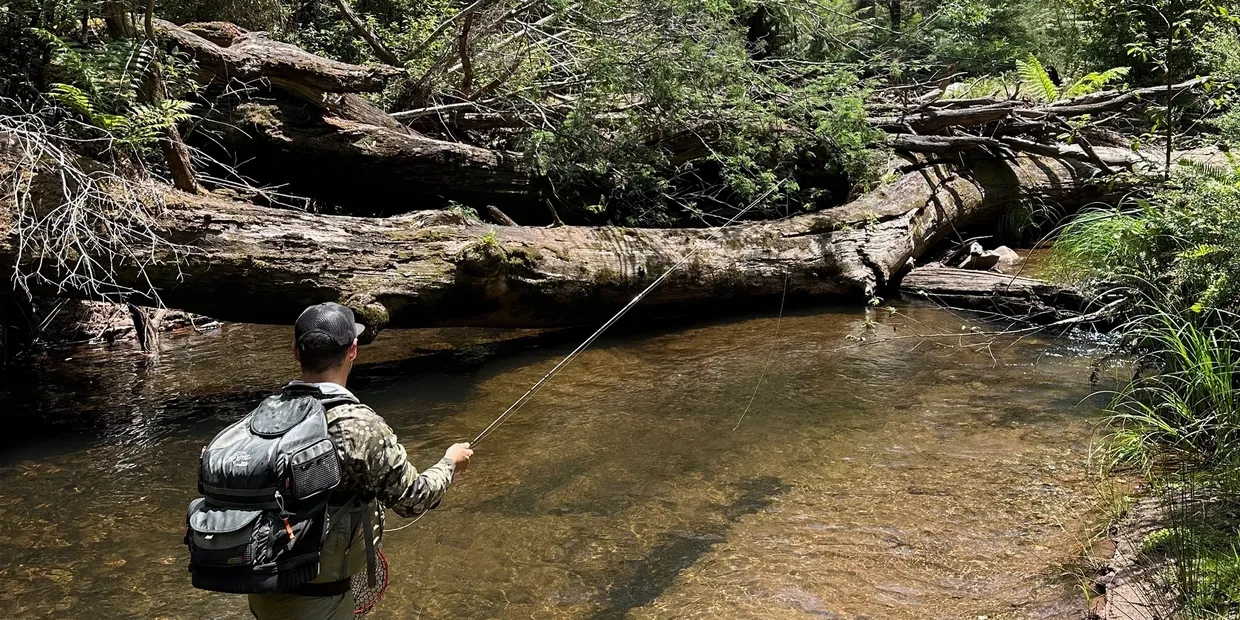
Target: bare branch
{"x":369,"y":35}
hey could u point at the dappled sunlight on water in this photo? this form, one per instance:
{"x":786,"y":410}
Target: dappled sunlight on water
{"x":891,"y":478}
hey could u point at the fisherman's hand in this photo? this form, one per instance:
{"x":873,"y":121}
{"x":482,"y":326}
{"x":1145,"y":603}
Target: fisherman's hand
{"x":459,"y":453}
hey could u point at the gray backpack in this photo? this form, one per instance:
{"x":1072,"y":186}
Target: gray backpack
{"x":266,"y":481}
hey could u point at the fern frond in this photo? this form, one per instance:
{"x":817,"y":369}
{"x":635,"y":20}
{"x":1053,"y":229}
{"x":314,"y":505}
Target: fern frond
{"x":1094,"y":82}
{"x":1200,"y":251}
{"x":75,"y":99}
{"x":147,"y":122}
{"x":1035,"y":78}
{"x":66,"y":58}
{"x":1114,"y":73}
{"x":163,"y":114}
{"x":1213,"y":171}
{"x":115,"y":124}
{"x":140,"y":66}
{"x":120,"y":67}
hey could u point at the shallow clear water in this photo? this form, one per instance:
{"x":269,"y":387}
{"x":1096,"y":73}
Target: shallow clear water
{"x":897,"y":477}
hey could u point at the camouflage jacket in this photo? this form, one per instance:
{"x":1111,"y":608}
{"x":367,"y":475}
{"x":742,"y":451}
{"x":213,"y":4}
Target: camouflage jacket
{"x":376,"y":464}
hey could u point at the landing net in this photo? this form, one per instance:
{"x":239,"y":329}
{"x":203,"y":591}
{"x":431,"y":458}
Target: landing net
{"x":365,"y":597}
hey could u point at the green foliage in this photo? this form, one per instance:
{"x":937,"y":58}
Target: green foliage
{"x":401,"y":25}
{"x":1200,"y":237}
{"x":988,"y":86}
{"x":1181,"y":425}
{"x":1038,"y":85}
{"x":1098,"y":247}
{"x":1220,"y":47}
{"x":1036,"y":80}
{"x":714,"y":127}
{"x":1228,"y":126}
{"x":1190,"y":406}
{"x":22,"y":48}
{"x":249,"y":14}
{"x":1181,"y":248}
{"x":1092,"y":82}
{"x":469,"y":214}
{"x":979,"y":37}
{"x":1161,"y":38}
{"x":105,"y":86}
{"x":1022,"y":222}
{"x":1163,"y":540}
{"x":1204,"y":564}
{"x":680,"y":111}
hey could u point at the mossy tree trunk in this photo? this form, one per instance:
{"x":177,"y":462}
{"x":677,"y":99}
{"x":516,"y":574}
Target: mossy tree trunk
{"x":247,"y":263}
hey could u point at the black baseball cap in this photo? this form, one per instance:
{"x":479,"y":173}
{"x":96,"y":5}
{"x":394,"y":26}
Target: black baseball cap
{"x":330,"y":319}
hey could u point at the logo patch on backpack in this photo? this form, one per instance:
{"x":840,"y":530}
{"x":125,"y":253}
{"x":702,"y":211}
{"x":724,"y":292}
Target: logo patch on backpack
{"x":240,"y":460}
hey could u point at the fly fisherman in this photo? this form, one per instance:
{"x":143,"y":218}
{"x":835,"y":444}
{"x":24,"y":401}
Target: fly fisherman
{"x":373,"y":469}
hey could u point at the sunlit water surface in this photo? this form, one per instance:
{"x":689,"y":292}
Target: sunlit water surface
{"x":895,"y":477}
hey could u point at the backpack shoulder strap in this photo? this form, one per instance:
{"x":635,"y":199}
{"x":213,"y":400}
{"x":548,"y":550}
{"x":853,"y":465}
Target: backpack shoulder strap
{"x":331,"y":402}
{"x":327,"y":400}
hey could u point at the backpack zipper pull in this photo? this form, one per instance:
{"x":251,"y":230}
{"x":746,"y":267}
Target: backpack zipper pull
{"x":288,"y":527}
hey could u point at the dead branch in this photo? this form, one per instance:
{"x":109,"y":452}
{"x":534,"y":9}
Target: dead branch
{"x":369,"y":35}
{"x":74,"y":225}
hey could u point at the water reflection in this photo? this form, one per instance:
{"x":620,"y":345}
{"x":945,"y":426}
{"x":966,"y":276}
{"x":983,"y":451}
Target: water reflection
{"x":890,"y":479}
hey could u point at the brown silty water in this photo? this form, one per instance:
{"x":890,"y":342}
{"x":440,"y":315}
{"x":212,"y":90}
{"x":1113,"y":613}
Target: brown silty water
{"x":879,"y":474}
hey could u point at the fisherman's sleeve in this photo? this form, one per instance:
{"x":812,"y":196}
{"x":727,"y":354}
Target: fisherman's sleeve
{"x":374,"y":457}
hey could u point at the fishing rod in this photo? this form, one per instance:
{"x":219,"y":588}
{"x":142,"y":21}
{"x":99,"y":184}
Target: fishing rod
{"x":520,"y":402}
{"x":770,"y":356}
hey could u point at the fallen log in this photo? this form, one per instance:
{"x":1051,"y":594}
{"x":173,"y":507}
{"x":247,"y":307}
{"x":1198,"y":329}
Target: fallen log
{"x":947,"y":113}
{"x":236,"y":54}
{"x":931,"y":119}
{"x":240,"y":262}
{"x":1110,"y":101}
{"x":1025,"y":298}
{"x":312,"y":131}
{"x":363,"y":168}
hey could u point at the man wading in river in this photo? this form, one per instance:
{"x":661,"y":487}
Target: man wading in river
{"x":293,"y":489}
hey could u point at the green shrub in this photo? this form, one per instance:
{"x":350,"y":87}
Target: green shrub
{"x":1136,"y":33}
{"x":1180,"y":248}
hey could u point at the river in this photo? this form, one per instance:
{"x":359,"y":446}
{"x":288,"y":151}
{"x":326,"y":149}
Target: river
{"x":878,"y":474}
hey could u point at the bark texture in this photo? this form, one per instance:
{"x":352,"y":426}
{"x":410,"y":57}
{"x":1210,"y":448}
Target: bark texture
{"x":1027,"y":298}
{"x":254,"y":264}
{"x":364,"y":167}
{"x":252,"y":56}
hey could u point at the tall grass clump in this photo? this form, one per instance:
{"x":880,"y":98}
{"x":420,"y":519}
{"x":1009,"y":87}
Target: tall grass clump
{"x":1181,"y":409}
{"x":1193,"y":562}
{"x":1178,"y":248}
{"x":1103,"y":246}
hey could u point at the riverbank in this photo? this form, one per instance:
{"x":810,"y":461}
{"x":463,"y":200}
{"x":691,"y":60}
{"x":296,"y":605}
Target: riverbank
{"x":1175,"y":420}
